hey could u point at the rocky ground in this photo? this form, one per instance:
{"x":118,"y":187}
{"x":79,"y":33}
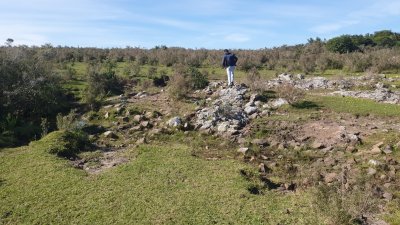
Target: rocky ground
{"x":304,"y":151}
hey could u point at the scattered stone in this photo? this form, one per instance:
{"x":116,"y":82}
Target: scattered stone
{"x":397,"y":145}
{"x":261,"y":168}
{"x":250,"y":110}
{"x":243,"y":150}
{"x":119,"y":110}
{"x":329,"y":161}
{"x":145,"y":124}
{"x":265,"y":113}
{"x":223,"y":127}
{"x":149,"y":115}
{"x":241,"y":140}
{"x":141,"y":94}
{"x":285,"y":77}
{"x":107,"y":115}
{"x":254,"y":116}
{"x":373,"y":162}
{"x":110,"y":134}
{"x":175,"y":122}
{"x":278,"y":103}
{"x":141,"y":141}
{"x":351,"y":149}
{"x":330,"y":177}
{"x":387,"y":185}
{"x":155,"y":131}
{"x":254,"y":97}
{"x":371,"y":171}
{"x":290,"y":186}
{"x":388,"y":149}
{"x":136,"y":128}
{"x":376,"y":148}
{"x":317,"y":145}
{"x":138,"y":118}
{"x":260,"y":142}
{"x":300,"y":76}
{"x":388,"y":196}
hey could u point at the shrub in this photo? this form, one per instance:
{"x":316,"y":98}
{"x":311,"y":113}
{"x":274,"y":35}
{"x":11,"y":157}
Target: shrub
{"x":185,"y":80}
{"x":254,"y":81}
{"x":44,"y":125}
{"x":152,"y":72}
{"x":307,"y":63}
{"x":64,"y":143}
{"x":28,"y":87}
{"x":101,"y":84}
{"x":160,"y":81}
{"x":290,"y":93}
{"x":247,"y":65}
{"x":357,"y":62}
{"x":132,"y":70}
{"x":197,"y":80}
{"x":146,"y":84}
{"x":341,"y":206}
{"x":69,"y":122}
{"x":178,"y":87}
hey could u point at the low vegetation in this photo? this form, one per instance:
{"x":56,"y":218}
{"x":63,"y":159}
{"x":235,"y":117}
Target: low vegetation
{"x":85,"y":135}
{"x":162,"y":185}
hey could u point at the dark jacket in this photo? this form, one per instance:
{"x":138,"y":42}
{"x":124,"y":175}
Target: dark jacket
{"x":229,"y":60}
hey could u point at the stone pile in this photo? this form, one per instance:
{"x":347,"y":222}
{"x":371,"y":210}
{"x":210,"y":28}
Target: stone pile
{"x":229,"y":112}
{"x":300,"y":82}
{"x":383,"y":95}
{"x":226,"y":113}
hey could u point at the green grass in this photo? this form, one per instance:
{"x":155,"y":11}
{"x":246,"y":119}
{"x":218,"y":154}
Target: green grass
{"x":81,"y":68}
{"x":356,"y":106}
{"x":161,"y":186}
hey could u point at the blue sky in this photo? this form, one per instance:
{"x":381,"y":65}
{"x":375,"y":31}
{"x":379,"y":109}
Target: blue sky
{"x":213,"y":24}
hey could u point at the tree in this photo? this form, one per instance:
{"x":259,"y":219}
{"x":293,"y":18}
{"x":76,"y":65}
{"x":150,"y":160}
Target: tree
{"x":385,"y":38}
{"x":342,"y":44}
{"x":9,"y":42}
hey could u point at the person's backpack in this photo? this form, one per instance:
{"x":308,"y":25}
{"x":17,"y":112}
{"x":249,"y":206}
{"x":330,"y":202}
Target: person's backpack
{"x":235,"y":59}
{"x":232,"y":58}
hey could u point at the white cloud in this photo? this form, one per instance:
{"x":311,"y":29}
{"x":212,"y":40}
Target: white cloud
{"x":235,"y":37}
{"x":332,"y":27}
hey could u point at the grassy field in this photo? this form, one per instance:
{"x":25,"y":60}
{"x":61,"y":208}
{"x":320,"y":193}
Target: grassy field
{"x":170,"y":181}
{"x":356,"y":106}
{"x":163,"y":185}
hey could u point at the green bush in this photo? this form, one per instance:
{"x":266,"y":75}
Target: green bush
{"x":185,"y":80}
{"x":64,"y":143}
{"x":178,"y":87}
{"x":29,"y":88}
{"x":69,"y":122}
{"x":197,"y":80}
{"x":253,"y":80}
{"x":290,"y":93}
{"x":342,"y":44}
{"x":101,"y":84}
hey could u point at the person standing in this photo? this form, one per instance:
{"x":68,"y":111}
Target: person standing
{"x":229,"y":63}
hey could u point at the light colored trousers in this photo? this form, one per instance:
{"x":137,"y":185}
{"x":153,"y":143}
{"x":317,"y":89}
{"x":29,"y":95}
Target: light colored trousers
{"x":230,"y":72}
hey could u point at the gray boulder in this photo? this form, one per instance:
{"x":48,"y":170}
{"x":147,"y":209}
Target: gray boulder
{"x":175,"y":122}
